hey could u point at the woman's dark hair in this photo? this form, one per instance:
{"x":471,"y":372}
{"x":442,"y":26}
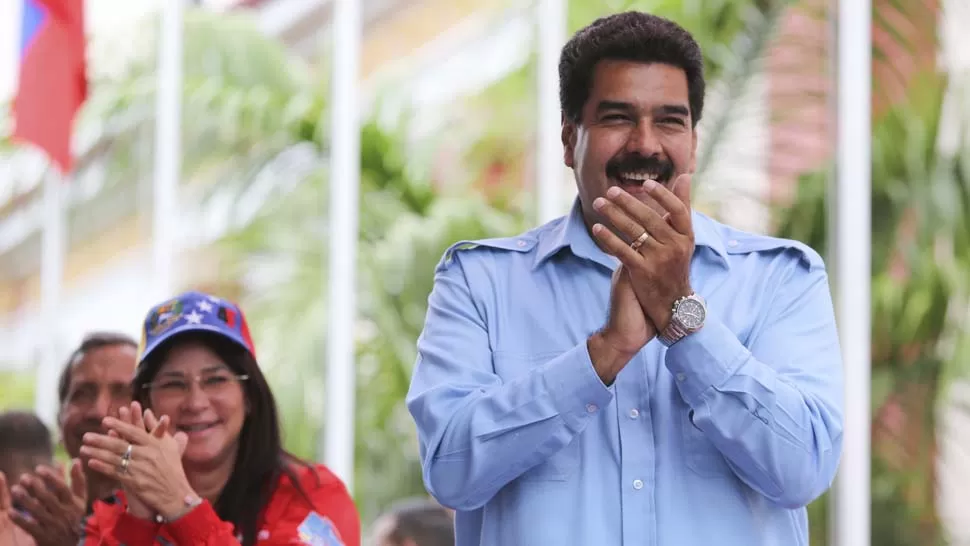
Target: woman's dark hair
{"x":261,"y":460}
{"x":628,"y":36}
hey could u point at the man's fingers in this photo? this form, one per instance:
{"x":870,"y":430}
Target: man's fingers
{"x":79,"y":482}
{"x":5,"y":503}
{"x":30,"y":501}
{"x":54,"y":482}
{"x":677,"y":202}
{"x":621,"y":220}
{"x":643,"y":217}
{"x":615,"y":246}
{"x":36,"y":487}
{"x":31,"y":525}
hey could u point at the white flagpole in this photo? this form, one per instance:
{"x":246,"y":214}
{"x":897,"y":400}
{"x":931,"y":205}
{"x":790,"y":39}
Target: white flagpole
{"x":51,"y":275}
{"x":338,"y":440}
{"x":551,"y":22}
{"x":168,"y":122}
{"x":852,"y":245}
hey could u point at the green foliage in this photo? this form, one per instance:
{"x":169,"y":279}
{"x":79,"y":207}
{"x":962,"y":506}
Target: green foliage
{"x":16,"y":390}
{"x":921,"y":277}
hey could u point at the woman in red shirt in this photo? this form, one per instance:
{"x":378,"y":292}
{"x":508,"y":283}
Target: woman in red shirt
{"x":212,"y":469}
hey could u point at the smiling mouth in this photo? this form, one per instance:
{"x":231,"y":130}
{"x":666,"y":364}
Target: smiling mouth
{"x":632,"y":181}
{"x":197,"y":428}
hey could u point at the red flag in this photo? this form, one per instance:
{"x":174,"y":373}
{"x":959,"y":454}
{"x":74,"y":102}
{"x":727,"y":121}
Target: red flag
{"x":53,"y":84}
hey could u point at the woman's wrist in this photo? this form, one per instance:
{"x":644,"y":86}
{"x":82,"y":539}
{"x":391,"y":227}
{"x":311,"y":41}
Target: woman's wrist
{"x":140,"y":511}
{"x":175,"y":509}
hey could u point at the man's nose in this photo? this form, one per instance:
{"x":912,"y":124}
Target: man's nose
{"x":643,"y":140}
{"x":101,"y":407}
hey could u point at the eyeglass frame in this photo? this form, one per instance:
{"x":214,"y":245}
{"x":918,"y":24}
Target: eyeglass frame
{"x":195,"y":379}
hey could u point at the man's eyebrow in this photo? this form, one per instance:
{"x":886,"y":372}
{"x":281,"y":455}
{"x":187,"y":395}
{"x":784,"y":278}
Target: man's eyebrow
{"x":614,"y":105}
{"x":672,"y":110}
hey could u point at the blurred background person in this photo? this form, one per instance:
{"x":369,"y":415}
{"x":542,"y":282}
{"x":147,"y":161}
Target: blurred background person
{"x":25,"y":443}
{"x":10,"y":533}
{"x":415,"y":522}
{"x":94,"y":383}
{"x":223,"y":477}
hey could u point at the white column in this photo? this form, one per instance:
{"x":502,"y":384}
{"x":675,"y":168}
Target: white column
{"x":852,"y":245}
{"x":51,"y":276}
{"x":550,"y":185}
{"x":338,"y":440}
{"x":168,"y":161}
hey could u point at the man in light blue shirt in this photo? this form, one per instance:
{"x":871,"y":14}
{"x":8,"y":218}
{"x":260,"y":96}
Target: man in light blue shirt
{"x":634,"y":373}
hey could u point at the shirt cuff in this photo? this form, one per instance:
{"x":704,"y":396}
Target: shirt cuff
{"x":576,"y":389}
{"x":135,"y":530}
{"x":704,"y":360}
{"x":195,"y":526}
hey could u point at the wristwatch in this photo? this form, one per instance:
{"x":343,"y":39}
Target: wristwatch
{"x":688,"y":317}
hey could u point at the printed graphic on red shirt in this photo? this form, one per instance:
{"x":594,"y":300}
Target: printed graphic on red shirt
{"x":317,"y":530}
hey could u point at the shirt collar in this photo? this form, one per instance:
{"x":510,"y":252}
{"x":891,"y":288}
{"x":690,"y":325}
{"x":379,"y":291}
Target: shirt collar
{"x":571,"y":232}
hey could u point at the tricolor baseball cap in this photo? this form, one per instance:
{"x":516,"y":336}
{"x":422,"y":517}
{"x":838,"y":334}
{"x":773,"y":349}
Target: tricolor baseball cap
{"x":192,"y":312}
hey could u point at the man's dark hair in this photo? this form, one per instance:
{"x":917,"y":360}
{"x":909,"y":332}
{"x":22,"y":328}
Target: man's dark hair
{"x":24,"y":440}
{"x":92,"y":341}
{"x":424,"y":522}
{"x":628,"y":36}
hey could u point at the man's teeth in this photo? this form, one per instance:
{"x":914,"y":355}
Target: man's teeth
{"x":640,"y":177}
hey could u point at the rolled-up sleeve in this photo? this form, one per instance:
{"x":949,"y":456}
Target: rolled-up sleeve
{"x":773,"y":408}
{"x":477,"y":432}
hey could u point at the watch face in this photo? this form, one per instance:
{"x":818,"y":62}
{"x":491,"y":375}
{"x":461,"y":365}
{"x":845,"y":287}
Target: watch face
{"x":691,"y":314}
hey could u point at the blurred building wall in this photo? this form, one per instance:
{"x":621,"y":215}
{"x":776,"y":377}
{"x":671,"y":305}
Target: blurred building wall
{"x":107,"y":269}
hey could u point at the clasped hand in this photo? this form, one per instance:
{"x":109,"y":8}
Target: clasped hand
{"x":52,"y":510}
{"x":655,"y":259}
{"x":153,"y":479}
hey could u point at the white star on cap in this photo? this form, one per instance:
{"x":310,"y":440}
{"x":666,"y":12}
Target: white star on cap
{"x":193,"y":318}
{"x":205,"y":306}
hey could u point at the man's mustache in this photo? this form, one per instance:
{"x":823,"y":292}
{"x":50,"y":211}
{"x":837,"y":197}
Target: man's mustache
{"x":633,"y":163}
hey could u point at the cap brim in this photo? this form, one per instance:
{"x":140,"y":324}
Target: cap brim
{"x":185,"y":329}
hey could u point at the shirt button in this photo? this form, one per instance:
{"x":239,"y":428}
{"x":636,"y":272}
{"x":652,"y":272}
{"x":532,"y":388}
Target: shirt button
{"x":637,"y":484}
{"x":681,"y":376}
{"x":634,"y":413}
{"x":733,"y":243}
{"x":591,"y":408}
{"x":520,"y":243}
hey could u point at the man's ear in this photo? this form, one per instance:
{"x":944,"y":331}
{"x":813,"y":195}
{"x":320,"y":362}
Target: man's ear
{"x":568,"y":136}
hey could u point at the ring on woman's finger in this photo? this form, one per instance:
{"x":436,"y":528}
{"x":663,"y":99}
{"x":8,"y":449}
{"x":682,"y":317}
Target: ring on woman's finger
{"x":126,"y":459}
{"x":635,"y":245}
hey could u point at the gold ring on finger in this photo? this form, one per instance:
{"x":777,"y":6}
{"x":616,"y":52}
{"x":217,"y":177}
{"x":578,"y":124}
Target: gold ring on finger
{"x":126,"y":459}
{"x":635,"y":245}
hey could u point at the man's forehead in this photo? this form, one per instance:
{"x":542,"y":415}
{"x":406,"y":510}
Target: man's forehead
{"x":633,"y":79}
{"x":105,"y":364}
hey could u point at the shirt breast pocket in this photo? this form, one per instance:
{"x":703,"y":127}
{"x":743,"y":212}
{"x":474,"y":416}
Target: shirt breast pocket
{"x":564,"y":463}
{"x":701,"y":456}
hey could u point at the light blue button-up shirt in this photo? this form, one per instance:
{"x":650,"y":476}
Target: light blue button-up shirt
{"x":721,"y":439}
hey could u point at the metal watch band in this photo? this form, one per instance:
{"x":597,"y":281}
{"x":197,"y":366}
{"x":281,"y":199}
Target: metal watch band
{"x":673,"y":333}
